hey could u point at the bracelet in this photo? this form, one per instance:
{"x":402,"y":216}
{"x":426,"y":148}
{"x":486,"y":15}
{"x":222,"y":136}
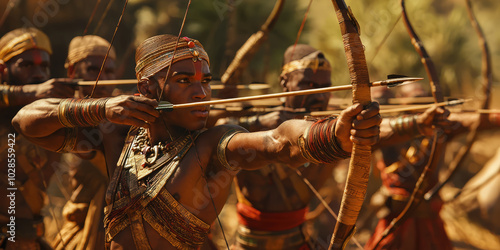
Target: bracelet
{"x":82,"y":112}
{"x":318,"y":143}
{"x":69,"y":142}
{"x":406,"y":125}
{"x":221,"y":148}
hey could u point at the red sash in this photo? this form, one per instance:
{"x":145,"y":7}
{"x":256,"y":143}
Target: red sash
{"x":257,"y":220}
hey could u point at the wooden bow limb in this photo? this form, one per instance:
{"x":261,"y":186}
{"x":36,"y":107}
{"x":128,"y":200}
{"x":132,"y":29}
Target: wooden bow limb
{"x":487,"y":81}
{"x":416,"y":196}
{"x":323,"y":202}
{"x":436,"y":148}
{"x":359,"y":166}
{"x":390,"y":82}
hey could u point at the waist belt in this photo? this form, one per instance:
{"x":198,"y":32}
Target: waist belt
{"x":288,"y":239}
{"x":269,"y":221}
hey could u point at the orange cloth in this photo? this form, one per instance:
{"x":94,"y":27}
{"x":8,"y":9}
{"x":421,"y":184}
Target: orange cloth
{"x":416,"y":233}
{"x":21,"y":40}
{"x":423,"y":229}
{"x":258,"y":220}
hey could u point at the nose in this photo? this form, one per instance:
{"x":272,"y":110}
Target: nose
{"x":200,"y":92}
{"x":39,"y":73}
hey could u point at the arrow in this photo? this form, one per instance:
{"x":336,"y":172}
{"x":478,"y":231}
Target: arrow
{"x":389,"y":83}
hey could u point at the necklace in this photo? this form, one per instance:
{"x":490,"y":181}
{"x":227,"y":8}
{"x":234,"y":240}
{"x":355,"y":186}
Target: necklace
{"x":151,"y":153}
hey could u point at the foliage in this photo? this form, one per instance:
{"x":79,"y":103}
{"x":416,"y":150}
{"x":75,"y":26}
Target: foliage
{"x":443,"y":26}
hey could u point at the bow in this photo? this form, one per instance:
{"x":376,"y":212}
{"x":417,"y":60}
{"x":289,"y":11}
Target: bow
{"x":243,"y":56}
{"x":438,"y":144}
{"x":359,"y":167}
{"x":487,"y":78}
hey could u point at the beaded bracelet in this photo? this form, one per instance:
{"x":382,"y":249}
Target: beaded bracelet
{"x":82,"y":112}
{"x":319,"y":144}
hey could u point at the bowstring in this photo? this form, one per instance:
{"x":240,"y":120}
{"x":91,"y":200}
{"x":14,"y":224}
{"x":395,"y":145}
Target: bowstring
{"x":98,"y":26}
{"x":379,"y":46}
{"x":109,"y":48}
{"x":322,"y":200}
{"x":91,"y":17}
{"x":193,"y":141}
{"x":175,"y":50}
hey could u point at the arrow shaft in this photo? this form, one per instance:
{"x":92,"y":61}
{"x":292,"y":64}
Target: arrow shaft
{"x":287,"y":94}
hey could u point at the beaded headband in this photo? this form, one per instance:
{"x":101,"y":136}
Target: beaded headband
{"x":161,"y":57}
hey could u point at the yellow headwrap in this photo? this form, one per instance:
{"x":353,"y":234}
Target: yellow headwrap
{"x":83,"y":46}
{"x":155,"y":54}
{"x":21,"y":40}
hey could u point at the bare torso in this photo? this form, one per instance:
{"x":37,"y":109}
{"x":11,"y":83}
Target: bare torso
{"x":277,"y":188}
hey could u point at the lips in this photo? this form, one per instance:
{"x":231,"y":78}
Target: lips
{"x":200,"y":112}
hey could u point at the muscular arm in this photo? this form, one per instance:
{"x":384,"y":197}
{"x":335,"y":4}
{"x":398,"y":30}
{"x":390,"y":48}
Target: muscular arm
{"x":39,"y":120}
{"x":20,"y":95}
{"x":254,"y":150}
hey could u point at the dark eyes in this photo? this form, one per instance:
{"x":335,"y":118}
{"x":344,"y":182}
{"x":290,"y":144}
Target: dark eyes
{"x":27,"y":64}
{"x":187,"y":80}
{"x":183,"y":80}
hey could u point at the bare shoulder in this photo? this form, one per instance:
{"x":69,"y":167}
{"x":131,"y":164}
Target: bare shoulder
{"x":212,"y":136}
